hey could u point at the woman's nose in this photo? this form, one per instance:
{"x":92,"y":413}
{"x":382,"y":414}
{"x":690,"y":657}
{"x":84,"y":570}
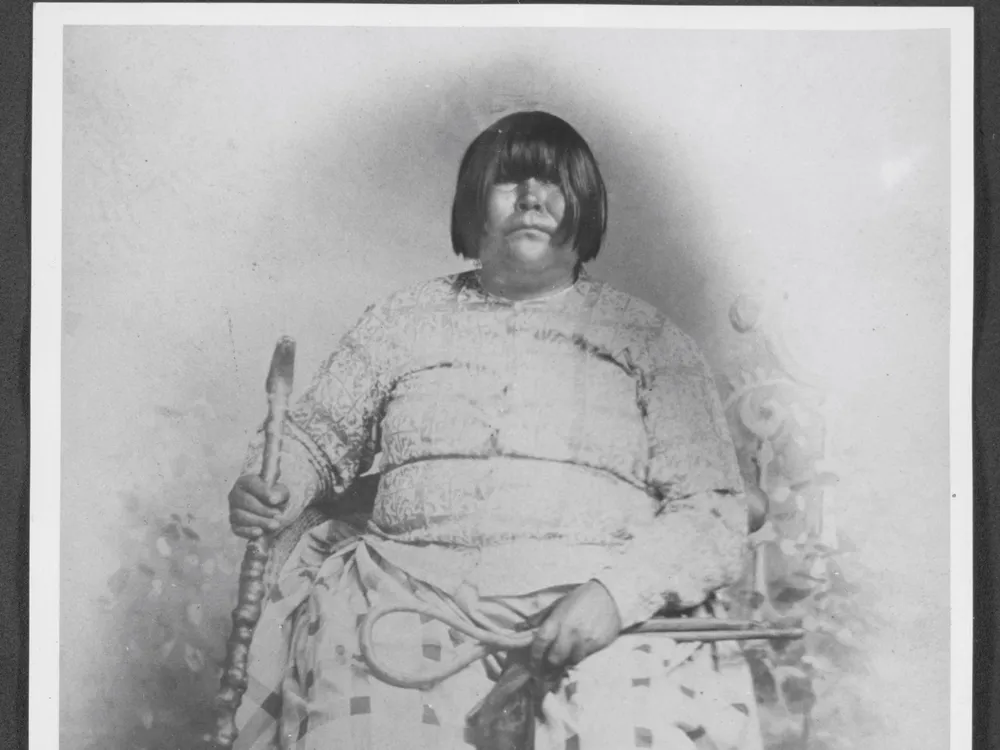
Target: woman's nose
{"x":528,"y":196}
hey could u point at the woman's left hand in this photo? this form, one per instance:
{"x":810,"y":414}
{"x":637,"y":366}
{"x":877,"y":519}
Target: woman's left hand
{"x":582,"y":622}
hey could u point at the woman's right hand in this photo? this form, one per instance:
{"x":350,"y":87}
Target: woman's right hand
{"x":254,"y":508}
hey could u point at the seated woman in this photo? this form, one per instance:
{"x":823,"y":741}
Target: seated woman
{"x":552,"y":451}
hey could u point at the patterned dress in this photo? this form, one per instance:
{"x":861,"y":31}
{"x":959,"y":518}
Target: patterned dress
{"x":524,"y":447}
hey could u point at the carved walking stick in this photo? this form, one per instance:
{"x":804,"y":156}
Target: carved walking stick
{"x":251,"y":590}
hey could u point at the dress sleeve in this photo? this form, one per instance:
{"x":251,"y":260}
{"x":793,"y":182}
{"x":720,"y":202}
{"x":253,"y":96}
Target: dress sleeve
{"x":698,"y":537}
{"x":330,"y":436}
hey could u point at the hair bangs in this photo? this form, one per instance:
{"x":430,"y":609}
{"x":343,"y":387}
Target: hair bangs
{"x":519,"y":159}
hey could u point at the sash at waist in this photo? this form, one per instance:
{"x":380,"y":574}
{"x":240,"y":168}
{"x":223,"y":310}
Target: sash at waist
{"x":516,"y":568}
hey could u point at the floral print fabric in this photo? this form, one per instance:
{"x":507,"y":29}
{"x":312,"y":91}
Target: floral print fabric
{"x":528,"y":444}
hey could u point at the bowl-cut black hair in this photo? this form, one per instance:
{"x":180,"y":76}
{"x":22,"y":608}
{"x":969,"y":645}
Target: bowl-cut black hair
{"x":520,"y":146}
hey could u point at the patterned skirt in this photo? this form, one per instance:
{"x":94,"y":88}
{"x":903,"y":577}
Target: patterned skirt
{"x":310,"y":688}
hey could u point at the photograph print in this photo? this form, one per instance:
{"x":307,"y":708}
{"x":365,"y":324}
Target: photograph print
{"x":545,"y":387}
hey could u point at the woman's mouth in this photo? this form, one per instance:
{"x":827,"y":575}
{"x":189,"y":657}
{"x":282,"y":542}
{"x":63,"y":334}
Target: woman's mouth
{"x":528,"y":231}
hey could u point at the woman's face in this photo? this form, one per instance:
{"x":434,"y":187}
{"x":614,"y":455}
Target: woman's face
{"x":520,"y":250}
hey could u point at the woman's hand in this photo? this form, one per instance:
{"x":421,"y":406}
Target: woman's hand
{"x":582,"y":622}
{"x":253,"y":508}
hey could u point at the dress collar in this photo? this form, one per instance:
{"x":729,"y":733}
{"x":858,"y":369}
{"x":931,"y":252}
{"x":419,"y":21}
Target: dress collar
{"x":470,"y":281}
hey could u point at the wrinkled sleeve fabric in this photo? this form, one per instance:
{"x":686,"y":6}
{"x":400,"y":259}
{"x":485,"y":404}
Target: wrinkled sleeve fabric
{"x":330,"y":436}
{"x":697,"y":540}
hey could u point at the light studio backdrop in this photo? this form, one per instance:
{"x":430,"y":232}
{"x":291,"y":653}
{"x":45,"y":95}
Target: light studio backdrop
{"x":225,"y":186}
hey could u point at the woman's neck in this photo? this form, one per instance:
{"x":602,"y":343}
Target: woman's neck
{"x":518,"y":288}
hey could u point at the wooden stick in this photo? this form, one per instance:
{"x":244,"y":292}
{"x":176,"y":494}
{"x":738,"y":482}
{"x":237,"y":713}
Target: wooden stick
{"x":251,"y":588}
{"x":684,"y":624}
{"x":751,"y":634}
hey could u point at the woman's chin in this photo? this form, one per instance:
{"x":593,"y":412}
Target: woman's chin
{"x":529,"y":253}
